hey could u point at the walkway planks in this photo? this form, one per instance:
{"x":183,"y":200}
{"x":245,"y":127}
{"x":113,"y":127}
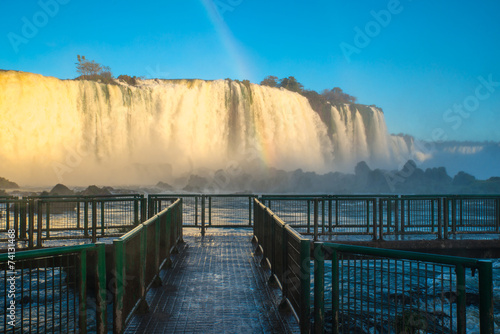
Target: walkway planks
{"x":215,"y":286}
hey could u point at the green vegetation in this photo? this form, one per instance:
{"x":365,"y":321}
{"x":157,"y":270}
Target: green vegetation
{"x":132,"y":81}
{"x":319,"y":102}
{"x":90,"y":70}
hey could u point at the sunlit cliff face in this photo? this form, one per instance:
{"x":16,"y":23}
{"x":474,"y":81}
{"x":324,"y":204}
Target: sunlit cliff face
{"x":82,"y":132}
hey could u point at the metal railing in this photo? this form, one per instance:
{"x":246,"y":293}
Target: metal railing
{"x":474,"y":214}
{"x":328,"y":215}
{"x":51,"y":288}
{"x":209,"y":210}
{"x":381,"y":216}
{"x":138,"y":257}
{"x":288,"y":257}
{"x":13,"y":217}
{"x":39,"y":219}
{"x":46,"y":290}
{"x":379,"y":290}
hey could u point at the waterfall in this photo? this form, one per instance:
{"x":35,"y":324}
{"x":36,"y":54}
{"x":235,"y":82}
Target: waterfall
{"x":81,"y":132}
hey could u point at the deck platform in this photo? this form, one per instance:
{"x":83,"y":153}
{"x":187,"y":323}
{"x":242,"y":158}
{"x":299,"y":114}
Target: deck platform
{"x":215,"y":285}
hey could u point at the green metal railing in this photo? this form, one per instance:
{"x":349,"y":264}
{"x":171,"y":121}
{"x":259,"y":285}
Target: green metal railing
{"x":288,"y":256}
{"x":205,"y":211}
{"x":138,"y":257}
{"x":381,"y":216}
{"x":37,"y":220}
{"x":382,"y":290}
{"x":474,"y":214}
{"x":327,"y":215}
{"x":46,"y":290}
{"x":13,"y":215}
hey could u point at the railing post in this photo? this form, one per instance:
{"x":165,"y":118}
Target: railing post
{"x":336,"y":212}
{"x":446,"y":216}
{"x":305,"y":285}
{"x":209,"y":210}
{"x":497,"y":215}
{"x":330,"y":217}
{"x":136,"y":211}
{"x":485,"y":297}
{"x":202,"y":215}
{"x":322,"y":215}
{"x":31,"y":222}
{"x":454,"y":215}
{"x":440,"y":218}
{"x":402,"y":213}
{"x":21,"y":216}
{"x":39,"y":225}
{"x":101,"y":288}
{"x":196,"y":211}
{"x":432,"y":215}
{"x":150,"y":206}
{"x":7,"y":218}
{"x":308,"y":215}
{"x":316,"y":219}
{"x":119,"y":288}
{"x":381,"y":217}
{"x":94,"y":220}
{"x":82,"y":314}
{"x":249,"y":210}
{"x":374,"y":215}
{"x":396,"y":216}
{"x":103,"y":219}
{"x":179,"y":218}
{"x":144,"y":203}
{"x":86,"y":218}
{"x":78,"y":225}
{"x":461,"y":317}
{"x":319,"y":289}
{"x":47,"y":220}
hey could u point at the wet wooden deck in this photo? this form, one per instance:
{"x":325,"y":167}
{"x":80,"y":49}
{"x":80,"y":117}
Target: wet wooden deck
{"x":215,"y":285}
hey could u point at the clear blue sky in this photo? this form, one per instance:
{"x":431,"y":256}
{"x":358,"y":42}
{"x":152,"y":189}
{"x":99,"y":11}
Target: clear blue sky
{"x":416,"y":65}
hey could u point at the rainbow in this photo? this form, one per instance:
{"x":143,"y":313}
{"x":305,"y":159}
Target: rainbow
{"x":227,"y":39}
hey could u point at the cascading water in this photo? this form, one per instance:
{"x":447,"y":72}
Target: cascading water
{"x":81,"y":132}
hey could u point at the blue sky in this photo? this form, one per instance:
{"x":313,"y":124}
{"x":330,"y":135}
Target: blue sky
{"x":432,"y":66}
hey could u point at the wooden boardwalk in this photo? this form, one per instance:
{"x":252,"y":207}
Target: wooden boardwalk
{"x":215,"y":285}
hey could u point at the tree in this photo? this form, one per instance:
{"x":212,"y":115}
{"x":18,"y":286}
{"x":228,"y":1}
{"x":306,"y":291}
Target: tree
{"x":291,"y":84}
{"x":105,"y":72}
{"x":87,"y":68}
{"x":336,"y":95}
{"x":270,"y":81}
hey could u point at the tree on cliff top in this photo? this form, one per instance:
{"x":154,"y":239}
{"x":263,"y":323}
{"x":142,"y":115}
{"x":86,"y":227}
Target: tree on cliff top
{"x":89,"y":69}
{"x":336,"y":95}
{"x":270,"y":81}
{"x":86,"y":67}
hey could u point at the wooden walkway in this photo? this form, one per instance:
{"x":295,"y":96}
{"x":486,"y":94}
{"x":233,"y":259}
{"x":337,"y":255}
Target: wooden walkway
{"x":215,"y":285}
